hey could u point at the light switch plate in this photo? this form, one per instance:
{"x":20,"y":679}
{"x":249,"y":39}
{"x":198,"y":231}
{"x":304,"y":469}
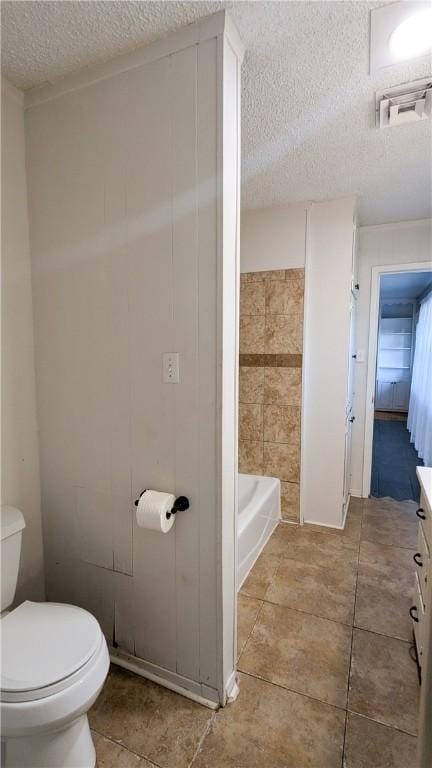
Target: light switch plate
{"x":171,"y":367}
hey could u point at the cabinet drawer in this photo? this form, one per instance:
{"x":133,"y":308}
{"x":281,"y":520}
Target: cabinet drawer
{"x":417,"y":616}
{"x":425,"y":515}
{"x":421,"y":559}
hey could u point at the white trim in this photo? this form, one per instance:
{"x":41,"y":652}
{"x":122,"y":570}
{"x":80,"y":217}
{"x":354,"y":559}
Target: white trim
{"x":182,"y":685}
{"x":13,"y":92}
{"x":326,"y":525}
{"x":232,"y":688}
{"x":395,"y":225}
{"x":334,"y":527}
{"x":233,"y":37}
{"x":415,"y":266}
{"x":217,"y":25}
{"x":305,"y":342}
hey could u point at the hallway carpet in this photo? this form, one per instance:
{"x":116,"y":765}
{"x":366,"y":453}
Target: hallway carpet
{"x":394,"y":462}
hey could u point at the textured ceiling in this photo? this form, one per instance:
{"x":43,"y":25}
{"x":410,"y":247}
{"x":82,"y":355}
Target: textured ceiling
{"x":308,"y":99}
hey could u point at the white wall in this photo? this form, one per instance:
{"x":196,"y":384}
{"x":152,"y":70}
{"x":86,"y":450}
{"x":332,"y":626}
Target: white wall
{"x":326,"y":358}
{"x":273,"y":238}
{"x":20,"y":459}
{"x":134,"y":248}
{"x":383,"y":245}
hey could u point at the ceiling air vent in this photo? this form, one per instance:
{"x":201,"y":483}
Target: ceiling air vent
{"x":404,"y":104}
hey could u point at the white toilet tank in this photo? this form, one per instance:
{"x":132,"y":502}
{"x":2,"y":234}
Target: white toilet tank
{"x":12,"y":524}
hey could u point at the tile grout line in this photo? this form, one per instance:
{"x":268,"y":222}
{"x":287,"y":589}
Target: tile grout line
{"x":253,"y":627}
{"x":292,"y":690}
{"x":300,"y":610}
{"x":352,"y":640}
{"x":318,"y":616}
{"x":203,"y":738}
{"x":380,"y":722}
{"x":122,"y":746}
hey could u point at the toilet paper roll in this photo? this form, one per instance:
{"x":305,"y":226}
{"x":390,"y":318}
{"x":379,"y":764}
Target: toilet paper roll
{"x":152,"y":511}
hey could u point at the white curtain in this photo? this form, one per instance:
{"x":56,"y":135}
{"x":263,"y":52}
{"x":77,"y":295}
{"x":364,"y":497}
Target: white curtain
{"x":420,"y":405}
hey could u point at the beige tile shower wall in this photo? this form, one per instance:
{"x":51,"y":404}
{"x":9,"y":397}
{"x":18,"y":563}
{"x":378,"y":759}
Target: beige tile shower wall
{"x":271,"y":342}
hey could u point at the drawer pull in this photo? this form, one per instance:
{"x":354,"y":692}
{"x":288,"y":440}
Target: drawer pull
{"x":411,"y":613}
{"x":417,"y":559}
{"x":420,"y":513}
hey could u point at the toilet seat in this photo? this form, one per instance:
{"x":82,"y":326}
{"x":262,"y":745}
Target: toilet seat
{"x":45,"y":649}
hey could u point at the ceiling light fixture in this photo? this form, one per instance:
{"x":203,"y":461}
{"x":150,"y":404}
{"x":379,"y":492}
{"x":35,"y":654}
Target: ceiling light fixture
{"x":413,"y":37}
{"x":400,"y":32}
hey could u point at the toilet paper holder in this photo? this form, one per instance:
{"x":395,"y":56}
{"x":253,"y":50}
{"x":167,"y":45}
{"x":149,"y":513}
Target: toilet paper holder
{"x":181,"y":503}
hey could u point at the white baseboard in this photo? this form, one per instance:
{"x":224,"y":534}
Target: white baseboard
{"x":325,"y":525}
{"x":232,"y":688}
{"x":198,"y":692}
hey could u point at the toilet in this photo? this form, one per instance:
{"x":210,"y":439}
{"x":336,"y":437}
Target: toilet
{"x":53,"y":667}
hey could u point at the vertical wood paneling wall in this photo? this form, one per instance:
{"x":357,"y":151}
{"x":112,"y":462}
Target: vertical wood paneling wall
{"x":129,"y":250}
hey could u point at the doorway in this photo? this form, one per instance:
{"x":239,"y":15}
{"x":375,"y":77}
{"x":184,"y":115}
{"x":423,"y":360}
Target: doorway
{"x":394,"y":437}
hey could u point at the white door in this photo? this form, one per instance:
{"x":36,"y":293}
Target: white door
{"x":349,"y":406}
{"x":347,"y":466}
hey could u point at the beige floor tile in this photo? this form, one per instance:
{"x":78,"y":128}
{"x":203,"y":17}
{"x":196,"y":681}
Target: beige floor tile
{"x":390,"y":522}
{"x":308,"y":546}
{"x":356,"y":503}
{"x":112,"y":755}
{"x":261,"y":575}
{"x":383,"y":681}
{"x":407,"y":508}
{"x":352,"y":529}
{"x":326,"y":591}
{"x":268,"y":727}
{"x":371,"y":745}
{"x":247,"y":612}
{"x":301,"y":652}
{"x":384,"y":590}
{"x":148,"y":719}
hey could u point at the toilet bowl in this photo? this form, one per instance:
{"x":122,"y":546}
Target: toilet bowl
{"x":54,"y":662}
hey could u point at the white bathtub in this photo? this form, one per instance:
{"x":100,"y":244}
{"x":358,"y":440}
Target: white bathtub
{"x":258,"y":516}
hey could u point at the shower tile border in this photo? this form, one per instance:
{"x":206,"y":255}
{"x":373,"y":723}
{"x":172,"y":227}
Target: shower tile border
{"x":271,"y":360}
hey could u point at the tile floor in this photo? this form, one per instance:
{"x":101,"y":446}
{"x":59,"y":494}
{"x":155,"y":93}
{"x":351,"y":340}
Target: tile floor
{"x":327,"y":678}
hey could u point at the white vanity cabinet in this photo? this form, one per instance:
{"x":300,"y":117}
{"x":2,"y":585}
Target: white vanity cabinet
{"x":421,"y":614}
{"x":422,"y":597}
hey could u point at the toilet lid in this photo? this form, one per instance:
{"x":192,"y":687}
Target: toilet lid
{"x":43,"y":643}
